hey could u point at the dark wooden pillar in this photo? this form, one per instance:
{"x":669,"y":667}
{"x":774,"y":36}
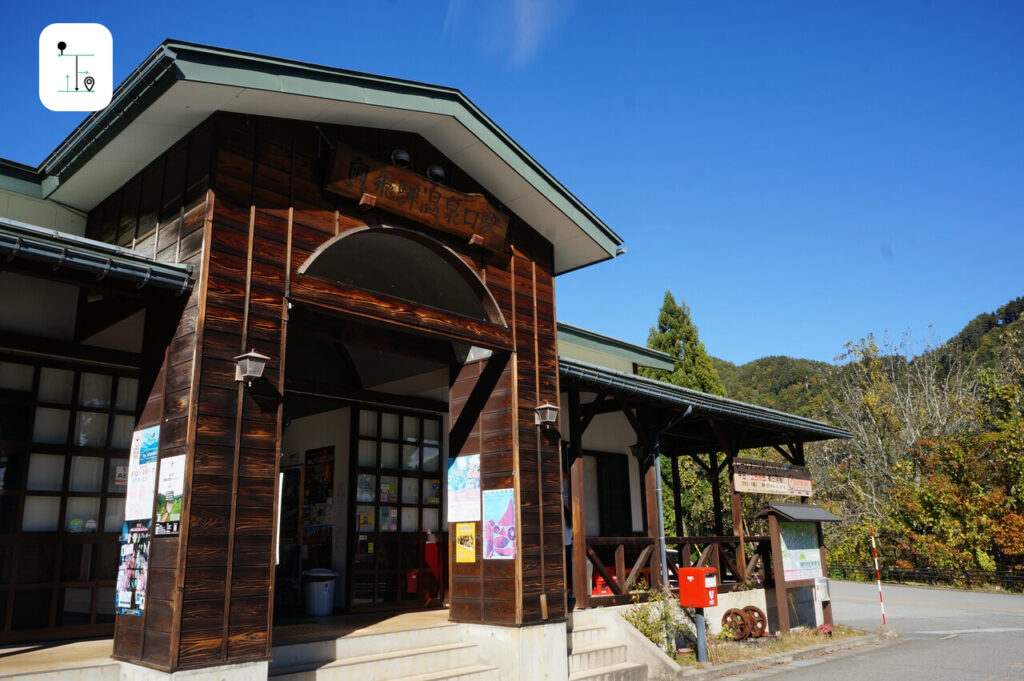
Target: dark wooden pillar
{"x":716,"y":493}
{"x":781,"y":604}
{"x":736,"y":502}
{"x":580,"y":584}
{"x":654,"y":521}
{"x":676,"y":495}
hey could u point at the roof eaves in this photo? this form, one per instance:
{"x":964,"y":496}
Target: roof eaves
{"x":61,"y":250}
{"x":679,"y":396}
{"x":639,"y":354}
{"x":179,"y":60}
{"x":20,"y":178}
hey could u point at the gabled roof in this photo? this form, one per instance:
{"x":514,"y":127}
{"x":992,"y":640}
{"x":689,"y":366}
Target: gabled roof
{"x":180,"y":84}
{"x":585,"y":345}
{"x":808,"y":513}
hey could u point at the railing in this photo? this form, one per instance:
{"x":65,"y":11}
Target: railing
{"x":970,"y":579}
{"x":723,"y":553}
{"x":636,"y":552}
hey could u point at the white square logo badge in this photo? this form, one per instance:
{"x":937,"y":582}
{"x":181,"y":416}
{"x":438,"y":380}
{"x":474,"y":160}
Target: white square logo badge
{"x":76,"y":67}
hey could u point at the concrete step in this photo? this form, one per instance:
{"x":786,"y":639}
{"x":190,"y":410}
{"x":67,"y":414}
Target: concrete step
{"x":622,"y":671}
{"x":586,"y":636}
{"x":473,"y":672}
{"x":384,"y":666}
{"x":327,"y":651}
{"x":594,"y":657}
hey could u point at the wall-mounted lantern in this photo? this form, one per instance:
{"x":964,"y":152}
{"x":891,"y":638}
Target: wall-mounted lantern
{"x":249,"y":367}
{"x":546,"y":416}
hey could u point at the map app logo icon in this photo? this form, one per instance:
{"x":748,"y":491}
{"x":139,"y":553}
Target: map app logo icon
{"x":76,"y":67}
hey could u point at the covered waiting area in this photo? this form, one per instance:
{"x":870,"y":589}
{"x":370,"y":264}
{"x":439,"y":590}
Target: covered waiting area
{"x":674,"y":422}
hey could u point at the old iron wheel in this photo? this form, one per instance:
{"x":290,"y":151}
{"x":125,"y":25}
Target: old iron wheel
{"x":758,"y":621}
{"x":737,"y":620}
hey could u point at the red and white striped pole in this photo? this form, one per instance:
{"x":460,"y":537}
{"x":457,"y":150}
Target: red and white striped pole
{"x":878,"y":575}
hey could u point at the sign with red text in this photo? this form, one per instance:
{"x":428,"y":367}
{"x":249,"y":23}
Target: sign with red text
{"x":768,"y":477}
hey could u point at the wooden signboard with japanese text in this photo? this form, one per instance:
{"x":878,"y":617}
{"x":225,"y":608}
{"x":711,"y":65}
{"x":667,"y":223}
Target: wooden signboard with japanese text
{"x":767,"y":477}
{"x":403,"y":192}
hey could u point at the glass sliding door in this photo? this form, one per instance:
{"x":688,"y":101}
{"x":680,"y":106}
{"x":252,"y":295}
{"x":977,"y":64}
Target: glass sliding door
{"x":397,"y":548}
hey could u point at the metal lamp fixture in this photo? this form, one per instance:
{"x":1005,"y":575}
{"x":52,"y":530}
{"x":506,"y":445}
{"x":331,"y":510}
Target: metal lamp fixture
{"x":249,"y":367}
{"x":545,"y":416}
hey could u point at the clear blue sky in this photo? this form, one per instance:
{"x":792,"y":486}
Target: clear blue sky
{"x":801,"y":173}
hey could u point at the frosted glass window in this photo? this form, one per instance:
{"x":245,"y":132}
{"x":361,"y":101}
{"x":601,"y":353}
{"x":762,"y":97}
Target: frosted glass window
{"x":410,"y":490}
{"x":368,"y":423}
{"x":389,"y":426}
{"x":366,"y":487}
{"x":105,"y":600}
{"x":430,"y":520}
{"x":42,"y":514}
{"x":91,"y":430}
{"x":56,"y":385}
{"x":121,"y":437}
{"x":410,"y":457}
{"x":77,"y":605}
{"x":80,"y":511}
{"x":86,"y":474}
{"x":51,"y":426}
{"x":45,"y":472}
{"x":114,"y":517}
{"x":94,"y":390}
{"x":388,"y":455}
{"x":116,"y":466}
{"x":432,"y":431}
{"x":410,"y":428}
{"x":16,"y":376}
{"x":410,"y":523}
{"x":431,"y":491}
{"x":388,"y":489}
{"x":368,"y":453}
{"x":431,"y":459}
{"x":127,"y":392}
{"x":388,"y":519}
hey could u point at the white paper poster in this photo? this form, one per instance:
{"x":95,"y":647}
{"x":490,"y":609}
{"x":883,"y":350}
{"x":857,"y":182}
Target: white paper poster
{"x":464,"y":488}
{"x":168,"y":495}
{"x":801,"y":555}
{"x":138,"y":503}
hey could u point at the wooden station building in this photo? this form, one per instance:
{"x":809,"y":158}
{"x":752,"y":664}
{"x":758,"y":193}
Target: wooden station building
{"x":391,"y":254}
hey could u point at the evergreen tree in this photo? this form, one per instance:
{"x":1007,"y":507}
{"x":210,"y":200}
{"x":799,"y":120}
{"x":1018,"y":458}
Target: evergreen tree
{"x":676,"y":334}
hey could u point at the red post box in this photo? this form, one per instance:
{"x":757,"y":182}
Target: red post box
{"x":698,"y":587}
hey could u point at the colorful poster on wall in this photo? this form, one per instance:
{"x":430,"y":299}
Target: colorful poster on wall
{"x":133,"y":568}
{"x":499,"y":524}
{"x":464,"y":488}
{"x":319,"y":487}
{"x":169,"y":488}
{"x":138,"y":503}
{"x":465,"y":542}
{"x":801,"y":555}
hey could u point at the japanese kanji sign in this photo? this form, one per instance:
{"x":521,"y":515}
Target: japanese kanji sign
{"x":403,"y":192}
{"x":766,"y":477}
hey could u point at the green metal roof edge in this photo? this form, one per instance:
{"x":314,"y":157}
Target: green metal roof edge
{"x":178,"y":60}
{"x":685,"y":397}
{"x":635,"y":353}
{"x":87,"y":255}
{"x":20,"y":178}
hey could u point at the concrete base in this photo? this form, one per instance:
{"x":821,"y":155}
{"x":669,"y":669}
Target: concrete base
{"x":740,"y":600}
{"x":245,"y":671}
{"x":536,"y":652}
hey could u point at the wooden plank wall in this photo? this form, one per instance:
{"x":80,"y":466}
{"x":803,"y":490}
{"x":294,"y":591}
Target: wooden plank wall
{"x":265,"y":214}
{"x":161,"y":212}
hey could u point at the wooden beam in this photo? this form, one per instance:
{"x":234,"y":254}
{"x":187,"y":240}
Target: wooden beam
{"x":653,"y":519}
{"x":390,"y":312}
{"x":677,"y":496}
{"x":716,"y":493}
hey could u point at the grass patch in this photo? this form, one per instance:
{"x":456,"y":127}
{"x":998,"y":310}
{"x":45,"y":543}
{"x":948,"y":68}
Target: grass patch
{"x":722,"y":652}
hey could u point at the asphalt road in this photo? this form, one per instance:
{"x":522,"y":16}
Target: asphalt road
{"x":947,"y":635}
